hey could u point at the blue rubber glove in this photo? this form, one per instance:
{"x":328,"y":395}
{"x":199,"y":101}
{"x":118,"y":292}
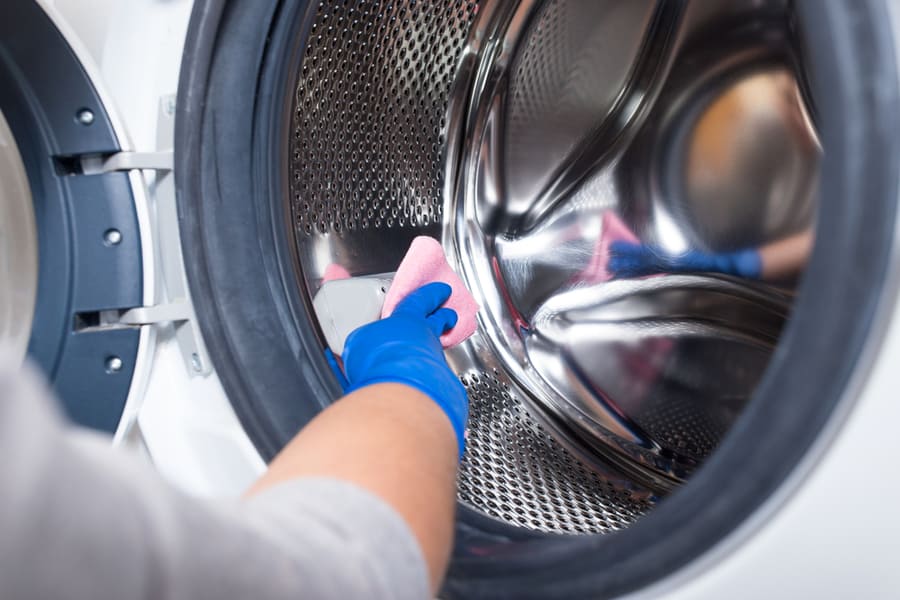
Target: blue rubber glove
{"x":634,"y":260}
{"x":337,"y":370}
{"x":406,"y":348}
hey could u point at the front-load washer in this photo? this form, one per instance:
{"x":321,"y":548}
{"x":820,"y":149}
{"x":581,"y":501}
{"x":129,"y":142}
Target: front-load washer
{"x":685,"y":432}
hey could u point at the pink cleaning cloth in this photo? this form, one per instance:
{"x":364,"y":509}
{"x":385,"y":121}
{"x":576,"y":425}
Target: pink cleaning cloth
{"x":334,"y":272}
{"x":612,"y":230}
{"x":424,"y":263}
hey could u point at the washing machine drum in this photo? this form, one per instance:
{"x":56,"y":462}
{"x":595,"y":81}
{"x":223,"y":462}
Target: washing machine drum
{"x":70,"y":248}
{"x":675,"y":216}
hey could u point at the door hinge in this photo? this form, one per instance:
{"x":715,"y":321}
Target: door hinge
{"x":180,"y":314}
{"x":127,"y":161}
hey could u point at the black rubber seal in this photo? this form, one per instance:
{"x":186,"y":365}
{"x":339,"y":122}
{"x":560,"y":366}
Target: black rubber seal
{"x":42,"y":89}
{"x":234,"y":113}
{"x":228,"y":202}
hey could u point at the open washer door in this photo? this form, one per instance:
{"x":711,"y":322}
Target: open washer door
{"x":71,"y":254}
{"x":628,"y":413}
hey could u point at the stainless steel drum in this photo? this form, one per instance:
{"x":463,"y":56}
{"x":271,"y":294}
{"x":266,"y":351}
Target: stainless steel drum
{"x":511,"y":131}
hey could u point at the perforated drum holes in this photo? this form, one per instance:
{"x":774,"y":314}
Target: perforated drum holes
{"x":515,"y":471}
{"x":369,"y":128}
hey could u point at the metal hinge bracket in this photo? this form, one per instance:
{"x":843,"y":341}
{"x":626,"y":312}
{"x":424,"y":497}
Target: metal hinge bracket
{"x":175,"y":307}
{"x":182,"y":318}
{"x":127,"y":161}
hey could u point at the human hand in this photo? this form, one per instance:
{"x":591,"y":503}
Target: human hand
{"x":634,"y":260}
{"x":405,"y":348}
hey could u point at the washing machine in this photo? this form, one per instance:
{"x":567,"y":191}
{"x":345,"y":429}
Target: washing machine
{"x":181,"y":179}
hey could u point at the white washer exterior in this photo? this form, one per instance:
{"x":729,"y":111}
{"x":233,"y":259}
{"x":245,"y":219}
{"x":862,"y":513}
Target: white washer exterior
{"x":832,"y":531}
{"x":133,"y":52}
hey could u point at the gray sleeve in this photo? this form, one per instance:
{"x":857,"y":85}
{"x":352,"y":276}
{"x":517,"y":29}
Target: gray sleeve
{"x":80,"y":520}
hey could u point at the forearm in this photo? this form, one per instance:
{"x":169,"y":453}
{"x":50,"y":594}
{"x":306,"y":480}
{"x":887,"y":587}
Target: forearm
{"x":393,"y":441}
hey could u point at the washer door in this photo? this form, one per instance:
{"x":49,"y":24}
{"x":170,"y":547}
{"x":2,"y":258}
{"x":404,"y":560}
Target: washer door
{"x":672,"y":273}
{"x":70,"y":241}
